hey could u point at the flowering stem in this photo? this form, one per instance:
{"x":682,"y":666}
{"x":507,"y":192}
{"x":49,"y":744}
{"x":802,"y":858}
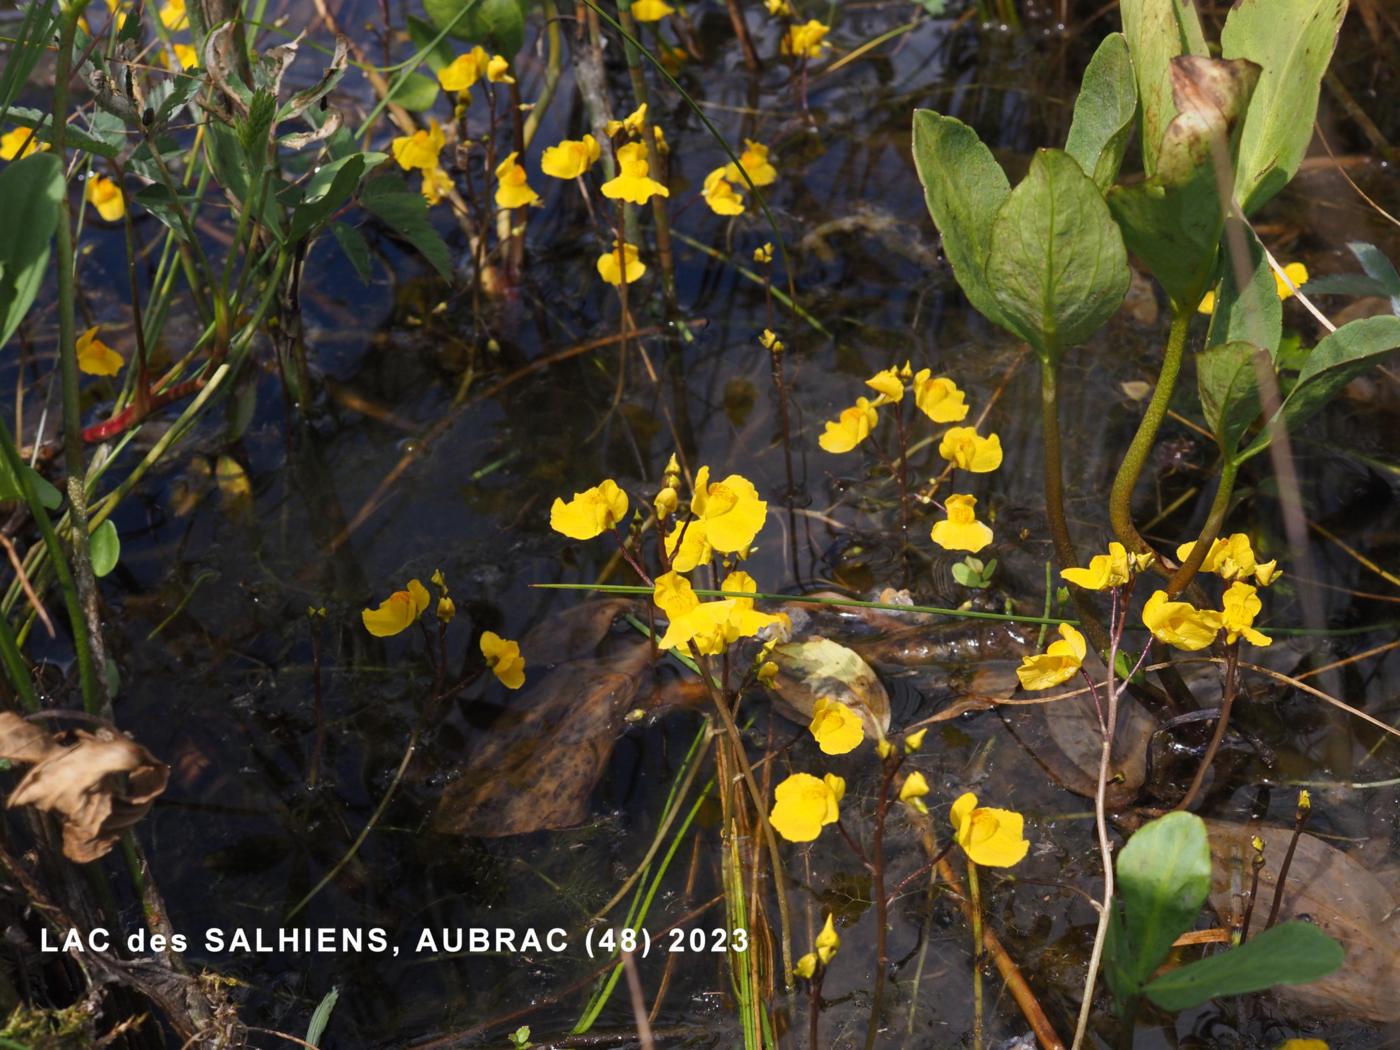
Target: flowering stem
{"x":975,"y":892}
{"x":1214,"y":520}
{"x":1120,"y":500}
{"x":1299,"y":820}
{"x":1232,"y":655}
{"x":877,"y":870}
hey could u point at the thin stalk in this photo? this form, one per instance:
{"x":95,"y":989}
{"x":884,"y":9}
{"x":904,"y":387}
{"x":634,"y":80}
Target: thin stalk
{"x":974,"y":889}
{"x":1120,"y":500}
{"x":1232,"y":655}
{"x":1214,"y":520}
{"x":876,"y":864}
{"x":1300,"y":818}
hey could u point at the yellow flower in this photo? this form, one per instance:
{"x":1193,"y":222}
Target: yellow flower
{"x":806,"y":41}
{"x":1303,"y":1044}
{"x":421,"y":149}
{"x":446,"y":609}
{"x":186,"y":55}
{"x":728,"y":515}
{"x":828,"y":942}
{"x":779,"y":8}
{"x":436,"y":185}
{"x":1295,"y":272}
{"x":769,"y":341}
{"x":11,"y":141}
{"x":1057,"y":664}
{"x":835,"y":727}
{"x":992,"y":838}
{"x":504,"y":659}
{"x":1234,"y":559}
{"x":95,"y":357}
{"x":721,"y":195}
{"x":767,"y":672}
{"x":462,"y":73}
{"x":632,"y":123}
{"x":590,"y":512}
{"x":174,"y":16}
{"x":570,"y":158}
{"x":888,"y":385}
{"x":512,"y":191}
{"x":1207,"y":305}
{"x":710,"y":626}
{"x":913,"y":790}
{"x":610,"y":264}
{"x":666,"y":502}
{"x":1240,"y":606}
{"x":764,"y":255}
{"x":804,"y":805}
{"x":939,"y":399}
{"x":651,"y":10}
{"x":915,"y":740}
{"x":397,"y":612}
{"x":1180,"y":624}
{"x":806,"y":966}
{"x":753,"y":160}
{"x":963,"y":447}
{"x":1104,"y":571}
{"x":961,"y":531}
{"x":106,"y":196}
{"x":498,"y":70}
{"x":633,"y":182}
{"x":851,"y":428}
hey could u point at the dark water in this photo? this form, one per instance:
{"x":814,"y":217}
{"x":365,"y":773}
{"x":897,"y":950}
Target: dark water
{"x":224,"y":691}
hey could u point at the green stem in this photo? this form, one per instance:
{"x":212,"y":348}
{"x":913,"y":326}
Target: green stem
{"x":1120,"y":500}
{"x":975,"y":893}
{"x":1214,"y":520}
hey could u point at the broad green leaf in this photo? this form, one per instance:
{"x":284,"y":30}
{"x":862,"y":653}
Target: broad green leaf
{"x":436,"y":56}
{"x":417,"y":93}
{"x":31,"y":190}
{"x":1293,"y":41}
{"x":10,"y":488}
{"x":352,"y":243}
{"x":1104,"y":112}
{"x":964,"y":187}
{"x":1158,"y":31}
{"x":1057,"y":267}
{"x":1254,"y":314}
{"x":1227,"y":380}
{"x":106,"y":548}
{"x":496,"y":24}
{"x":406,"y":213}
{"x":74,"y":137}
{"x":1163,"y":879}
{"x":328,"y":189}
{"x":1290,"y":953}
{"x":1380,"y":277}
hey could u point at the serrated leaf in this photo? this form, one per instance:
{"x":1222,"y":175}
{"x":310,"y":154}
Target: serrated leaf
{"x":352,"y":243}
{"x":1056,"y":265}
{"x":31,"y":190}
{"x":1290,"y":953}
{"x":74,"y":138}
{"x":406,"y":213}
{"x":1227,"y":380}
{"x":327,"y":190}
{"x":1104,"y":112}
{"x":964,"y":187}
{"x":106,"y":548}
{"x":1293,"y":41}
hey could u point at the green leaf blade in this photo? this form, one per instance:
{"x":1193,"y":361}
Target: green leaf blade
{"x":31,"y":190}
{"x":1104,"y":112}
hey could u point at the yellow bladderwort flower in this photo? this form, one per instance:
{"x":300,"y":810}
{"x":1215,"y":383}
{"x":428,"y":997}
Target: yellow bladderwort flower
{"x":398,"y":612}
{"x":753,"y":160}
{"x":779,"y":8}
{"x":828,"y":943}
{"x":913,"y":790}
{"x":993,"y":838}
{"x":966,"y":449}
{"x":591,"y":512}
{"x":570,"y":158}
{"x":632,"y":123}
{"x":512,"y":189}
{"x":186,"y":55}
{"x":835,"y":727}
{"x":1239,"y":607}
{"x":939,"y":398}
{"x":1105,"y":570}
{"x":633,"y":182}
{"x":850,"y":428}
{"x":96,"y":358}
{"x":763,"y":255}
{"x":806,"y":41}
{"x":106,"y":196}
{"x":768,"y":672}
{"x":446,"y":609}
{"x":888,"y":385}
{"x":1296,"y":272}
{"x":12,"y":141}
{"x":804,"y":805}
{"x":610,"y":265}
{"x":1180,"y":624}
{"x":651,"y":10}
{"x":503,"y":657}
{"x":666,"y":502}
{"x":1303,"y":1044}
{"x":462,"y":73}
{"x":727,"y":516}
{"x":421,"y":149}
{"x":174,"y":16}
{"x":498,"y":70}
{"x":806,"y":967}
{"x":961,"y":531}
{"x":914,"y":741}
{"x":1058,"y":664}
{"x":437,"y":184}
{"x":719,"y":193}
{"x":1234,"y":559}
{"x":769,"y":341}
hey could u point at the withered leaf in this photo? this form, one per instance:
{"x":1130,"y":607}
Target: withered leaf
{"x":811,"y":670}
{"x":99,"y":785}
{"x":1065,"y":738}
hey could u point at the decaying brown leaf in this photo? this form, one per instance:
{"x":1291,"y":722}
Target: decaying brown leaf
{"x":99,"y":784}
{"x":1334,"y":892}
{"x":1064,"y":737}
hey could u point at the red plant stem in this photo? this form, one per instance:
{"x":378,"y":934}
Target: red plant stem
{"x":137,"y":412}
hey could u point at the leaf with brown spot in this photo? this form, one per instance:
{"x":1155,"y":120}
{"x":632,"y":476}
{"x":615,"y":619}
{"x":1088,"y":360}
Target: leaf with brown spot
{"x":99,"y":785}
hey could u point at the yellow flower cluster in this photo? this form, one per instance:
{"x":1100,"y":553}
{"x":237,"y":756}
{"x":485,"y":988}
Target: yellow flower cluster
{"x":1234,"y":559}
{"x":711,"y":627}
{"x":807,"y":40}
{"x":1183,"y":626}
{"x":723,"y":188}
{"x":828,"y":942}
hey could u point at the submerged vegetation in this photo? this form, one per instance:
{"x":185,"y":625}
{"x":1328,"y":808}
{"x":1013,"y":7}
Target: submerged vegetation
{"x":840,"y":629}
